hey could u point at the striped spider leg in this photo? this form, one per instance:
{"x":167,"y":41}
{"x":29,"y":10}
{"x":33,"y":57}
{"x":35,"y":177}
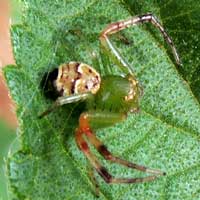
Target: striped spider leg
{"x":120,"y":25}
{"x":85,"y":130}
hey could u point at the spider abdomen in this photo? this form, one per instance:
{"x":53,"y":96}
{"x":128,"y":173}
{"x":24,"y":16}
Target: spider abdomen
{"x":72,"y":78}
{"x":77,"y":78}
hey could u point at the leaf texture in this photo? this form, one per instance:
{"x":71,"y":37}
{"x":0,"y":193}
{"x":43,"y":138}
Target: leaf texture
{"x":164,"y":135}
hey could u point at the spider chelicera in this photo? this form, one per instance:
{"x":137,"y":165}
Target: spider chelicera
{"x":108,"y":99}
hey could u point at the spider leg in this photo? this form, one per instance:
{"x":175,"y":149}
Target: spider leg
{"x":120,"y":25}
{"x":102,"y":149}
{"x":102,"y":171}
{"x":84,"y":130}
{"x":65,"y":100}
{"x":94,"y":180}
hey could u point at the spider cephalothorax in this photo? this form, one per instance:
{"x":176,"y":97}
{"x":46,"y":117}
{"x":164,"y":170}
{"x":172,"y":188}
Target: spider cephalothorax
{"x":108,"y":99}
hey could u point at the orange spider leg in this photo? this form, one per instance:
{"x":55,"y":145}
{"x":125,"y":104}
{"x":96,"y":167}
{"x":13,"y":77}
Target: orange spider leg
{"x":84,"y":129}
{"x":102,"y":149}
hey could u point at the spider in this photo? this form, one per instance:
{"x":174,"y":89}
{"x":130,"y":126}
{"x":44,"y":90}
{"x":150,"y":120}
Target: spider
{"x":108,"y":99}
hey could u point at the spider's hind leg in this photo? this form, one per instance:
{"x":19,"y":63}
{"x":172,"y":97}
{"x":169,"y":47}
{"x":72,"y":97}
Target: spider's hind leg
{"x":85,"y":130}
{"x":93,"y":180}
{"x":103,"y":150}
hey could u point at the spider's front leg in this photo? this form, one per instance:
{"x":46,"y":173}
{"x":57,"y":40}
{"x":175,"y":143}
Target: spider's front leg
{"x":65,"y":100}
{"x":120,"y":25}
{"x":84,"y":129}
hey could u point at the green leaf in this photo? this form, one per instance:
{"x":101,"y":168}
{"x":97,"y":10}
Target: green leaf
{"x":182,"y":22}
{"x":6,"y":137}
{"x":164,"y":135}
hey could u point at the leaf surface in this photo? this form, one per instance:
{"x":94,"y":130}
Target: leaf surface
{"x":181,"y":20}
{"x":164,"y":135}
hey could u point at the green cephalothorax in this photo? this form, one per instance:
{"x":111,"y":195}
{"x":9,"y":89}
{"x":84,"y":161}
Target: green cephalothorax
{"x":108,"y":99}
{"x":117,"y":94}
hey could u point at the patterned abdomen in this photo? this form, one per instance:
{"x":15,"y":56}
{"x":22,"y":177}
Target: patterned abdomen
{"x":77,"y":78}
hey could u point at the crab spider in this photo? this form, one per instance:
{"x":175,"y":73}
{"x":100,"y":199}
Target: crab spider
{"x":108,"y":99}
